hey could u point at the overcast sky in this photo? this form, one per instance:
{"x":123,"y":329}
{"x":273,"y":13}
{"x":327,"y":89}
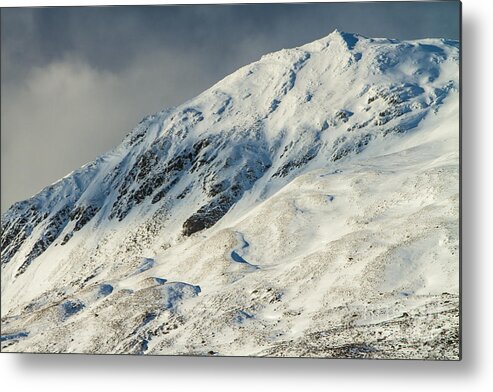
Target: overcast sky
{"x":75,"y":81}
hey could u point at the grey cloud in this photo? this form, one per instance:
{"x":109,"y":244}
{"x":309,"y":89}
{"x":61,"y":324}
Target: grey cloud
{"x":67,"y":113}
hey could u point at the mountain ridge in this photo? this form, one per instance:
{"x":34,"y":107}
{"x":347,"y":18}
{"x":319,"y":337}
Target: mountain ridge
{"x":187,"y":176}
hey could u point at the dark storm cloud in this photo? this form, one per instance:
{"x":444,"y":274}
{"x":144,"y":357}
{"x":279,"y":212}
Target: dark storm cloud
{"x":110,"y":37}
{"x":75,"y":80}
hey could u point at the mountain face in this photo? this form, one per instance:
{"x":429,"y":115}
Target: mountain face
{"x":305,"y":205}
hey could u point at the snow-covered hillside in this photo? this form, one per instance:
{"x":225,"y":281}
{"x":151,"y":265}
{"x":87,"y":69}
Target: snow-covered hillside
{"x":305,"y":205}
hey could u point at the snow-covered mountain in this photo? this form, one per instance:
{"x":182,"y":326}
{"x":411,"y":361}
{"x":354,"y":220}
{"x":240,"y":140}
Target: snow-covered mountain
{"x":305,"y":205}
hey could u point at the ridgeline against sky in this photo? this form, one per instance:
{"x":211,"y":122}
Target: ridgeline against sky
{"x":76,"y":79}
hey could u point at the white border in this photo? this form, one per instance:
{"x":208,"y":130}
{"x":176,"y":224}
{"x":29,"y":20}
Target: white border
{"x":20,"y":372}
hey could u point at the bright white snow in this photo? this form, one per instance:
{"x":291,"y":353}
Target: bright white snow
{"x":338,"y":164}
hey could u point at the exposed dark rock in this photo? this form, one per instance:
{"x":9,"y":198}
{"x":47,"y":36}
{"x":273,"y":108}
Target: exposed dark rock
{"x":343,"y":115}
{"x":67,"y":238}
{"x":83,"y":215}
{"x":207,"y":215}
{"x":16,"y":231}
{"x":344,"y":146}
{"x":164,"y":191}
{"x":50,"y":234}
{"x":185,"y":192}
{"x":285,"y":169}
{"x":223,"y":195}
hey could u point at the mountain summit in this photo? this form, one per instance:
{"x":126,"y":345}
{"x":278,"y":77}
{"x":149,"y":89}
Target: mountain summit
{"x":304,"y":204}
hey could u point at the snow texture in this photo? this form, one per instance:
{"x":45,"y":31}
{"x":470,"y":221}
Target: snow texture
{"x":305,"y":205}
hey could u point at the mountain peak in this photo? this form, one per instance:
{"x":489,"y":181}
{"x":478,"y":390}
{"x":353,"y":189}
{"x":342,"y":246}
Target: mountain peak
{"x":346,"y":39}
{"x":349,"y":39}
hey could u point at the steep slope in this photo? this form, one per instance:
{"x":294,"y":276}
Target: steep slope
{"x":307,"y":204}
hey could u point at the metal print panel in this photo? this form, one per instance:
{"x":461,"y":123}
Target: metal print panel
{"x":294,"y":194}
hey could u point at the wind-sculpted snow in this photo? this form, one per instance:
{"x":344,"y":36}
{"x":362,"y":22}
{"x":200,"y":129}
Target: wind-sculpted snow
{"x":287,"y":195}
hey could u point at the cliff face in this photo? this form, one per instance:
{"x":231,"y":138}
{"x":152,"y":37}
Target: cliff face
{"x":265,"y":209}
